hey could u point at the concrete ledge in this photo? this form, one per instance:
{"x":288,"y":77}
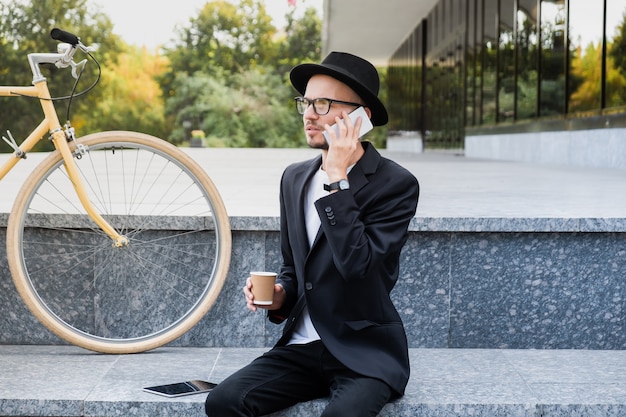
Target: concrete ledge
{"x":68,"y":381}
{"x":466,"y":224}
{"x":418,"y":224}
{"x":405,"y":141}
{"x":602,"y":148}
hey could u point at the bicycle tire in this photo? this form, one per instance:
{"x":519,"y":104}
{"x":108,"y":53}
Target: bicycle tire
{"x":120,"y":299}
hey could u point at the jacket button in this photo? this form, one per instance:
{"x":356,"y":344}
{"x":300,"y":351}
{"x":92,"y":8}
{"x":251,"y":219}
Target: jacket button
{"x":308,"y":286}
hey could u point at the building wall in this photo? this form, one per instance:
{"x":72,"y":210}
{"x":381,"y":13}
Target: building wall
{"x":486,"y":65}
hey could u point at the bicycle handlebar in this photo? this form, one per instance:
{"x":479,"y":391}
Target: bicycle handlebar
{"x":64,"y":58}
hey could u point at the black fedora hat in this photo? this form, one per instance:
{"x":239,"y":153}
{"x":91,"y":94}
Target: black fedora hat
{"x":357,"y":73}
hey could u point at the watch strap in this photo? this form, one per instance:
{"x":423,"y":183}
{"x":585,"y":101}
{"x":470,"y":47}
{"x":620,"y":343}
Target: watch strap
{"x":336,"y":185}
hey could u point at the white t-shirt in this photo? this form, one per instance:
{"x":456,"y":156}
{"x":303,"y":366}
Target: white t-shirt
{"x":305,"y":331}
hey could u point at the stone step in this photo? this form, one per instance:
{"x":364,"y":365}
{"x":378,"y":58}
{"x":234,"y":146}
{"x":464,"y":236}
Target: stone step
{"x":66,"y":381}
{"x":456,"y":289}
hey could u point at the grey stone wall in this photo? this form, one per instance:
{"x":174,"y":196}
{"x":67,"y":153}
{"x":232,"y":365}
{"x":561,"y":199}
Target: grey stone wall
{"x":464,"y":283}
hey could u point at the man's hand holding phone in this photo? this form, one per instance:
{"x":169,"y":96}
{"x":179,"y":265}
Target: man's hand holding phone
{"x":344,"y":146}
{"x":366,"y":124}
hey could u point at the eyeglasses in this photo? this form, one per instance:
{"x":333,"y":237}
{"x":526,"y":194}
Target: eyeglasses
{"x":321,"y":106}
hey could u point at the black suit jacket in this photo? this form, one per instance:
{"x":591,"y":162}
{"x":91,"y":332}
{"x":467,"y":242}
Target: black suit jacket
{"x":346,"y":276}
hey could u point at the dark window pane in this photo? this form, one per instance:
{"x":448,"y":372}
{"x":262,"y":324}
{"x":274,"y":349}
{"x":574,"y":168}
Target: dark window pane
{"x":489,"y":50}
{"x":405,"y":85}
{"x":470,"y":64}
{"x":506,"y":67}
{"x":527,"y":49}
{"x":616,"y":60}
{"x":552,"y":29}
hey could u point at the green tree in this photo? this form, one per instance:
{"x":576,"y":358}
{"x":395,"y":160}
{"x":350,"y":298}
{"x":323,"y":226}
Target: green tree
{"x":234,"y":87}
{"x":130,"y":97}
{"x":127,"y":96}
{"x":615,"y":83}
{"x":25,"y":28}
{"x":616,"y":67}
{"x":245,"y":111}
{"x":618,"y":48}
{"x":586,"y":79}
{"x":302,"y":40}
{"x":225,"y":35}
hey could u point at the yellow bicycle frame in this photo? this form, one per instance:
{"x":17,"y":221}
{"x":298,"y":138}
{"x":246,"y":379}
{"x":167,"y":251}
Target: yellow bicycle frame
{"x":52,"y":125}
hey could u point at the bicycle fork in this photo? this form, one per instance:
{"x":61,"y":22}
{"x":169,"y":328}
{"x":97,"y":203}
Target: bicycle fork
{"x":60,"y":141}
{"x":61,"y":144}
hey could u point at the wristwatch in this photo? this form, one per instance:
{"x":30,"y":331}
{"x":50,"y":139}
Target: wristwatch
{"x":339,"y":185}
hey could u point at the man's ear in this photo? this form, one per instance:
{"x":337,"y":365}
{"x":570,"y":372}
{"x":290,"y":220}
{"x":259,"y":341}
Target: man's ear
{"x":368,"y":112}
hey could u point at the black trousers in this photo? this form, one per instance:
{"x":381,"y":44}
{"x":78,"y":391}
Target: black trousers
{"x":292,"y":374}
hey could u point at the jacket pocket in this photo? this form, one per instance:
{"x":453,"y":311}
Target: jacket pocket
{"x":357,"y":325}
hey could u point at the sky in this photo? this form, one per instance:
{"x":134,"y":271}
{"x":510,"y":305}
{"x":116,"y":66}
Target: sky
{"x":151,"y":24}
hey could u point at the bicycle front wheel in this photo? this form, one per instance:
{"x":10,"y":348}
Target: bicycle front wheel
{"x":126,"y":299}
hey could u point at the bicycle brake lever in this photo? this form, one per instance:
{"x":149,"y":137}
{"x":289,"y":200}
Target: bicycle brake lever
{"x":91,"y":48}
{"x":77,"y":68}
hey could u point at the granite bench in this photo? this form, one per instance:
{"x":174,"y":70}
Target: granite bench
{"x":66,"y":381}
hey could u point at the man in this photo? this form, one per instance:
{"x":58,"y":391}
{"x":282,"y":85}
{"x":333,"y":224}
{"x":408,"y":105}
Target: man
{"x":344,"y":220}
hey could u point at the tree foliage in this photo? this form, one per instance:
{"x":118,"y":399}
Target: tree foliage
{"x":234,"y":86}
{"x":586,"y":93}
{"x":132,"y":98}
{"x":618,"y":48}
{"x":226,"y":73}
{"x":616,"y":67}
{"x":127,"y":96}
{"x":247,"y":110}
{"x":587,"y":77}
{"x":302,"y":40}
{"x":224,"y":35}
{"x":25,"y":29}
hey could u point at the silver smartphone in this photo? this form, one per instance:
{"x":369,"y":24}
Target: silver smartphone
{"x":366,"y":123}
{"x":179,"y":389}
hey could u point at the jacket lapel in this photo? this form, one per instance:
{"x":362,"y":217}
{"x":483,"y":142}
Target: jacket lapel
{"x":300,"y":182}
{"x":357,"y":176}
{"x":366,"y":166}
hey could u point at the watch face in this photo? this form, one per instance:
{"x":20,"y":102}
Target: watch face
{"x":344,"y":185}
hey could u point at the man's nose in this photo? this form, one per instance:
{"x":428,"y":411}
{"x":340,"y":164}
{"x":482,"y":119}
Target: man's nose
{"x":310,"y":112}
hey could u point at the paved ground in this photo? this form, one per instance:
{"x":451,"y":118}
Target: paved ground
{"x":68,"y":381}
{"x":451,"y":185}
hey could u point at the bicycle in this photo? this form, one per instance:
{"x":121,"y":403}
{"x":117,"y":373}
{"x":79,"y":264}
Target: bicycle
{"x":132,"y":258}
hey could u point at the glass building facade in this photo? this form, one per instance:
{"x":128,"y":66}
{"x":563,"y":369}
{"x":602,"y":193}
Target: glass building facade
{"x":484,"y":66}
